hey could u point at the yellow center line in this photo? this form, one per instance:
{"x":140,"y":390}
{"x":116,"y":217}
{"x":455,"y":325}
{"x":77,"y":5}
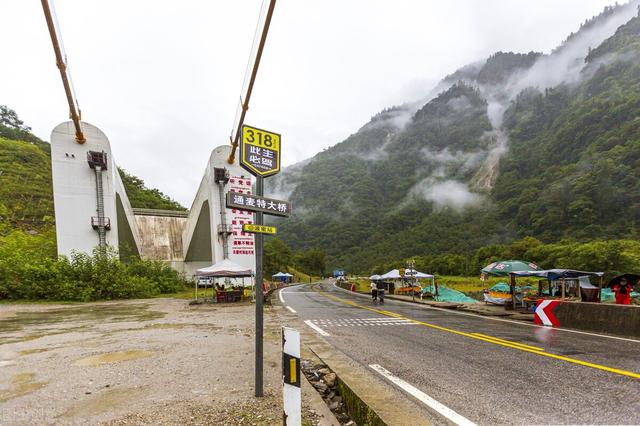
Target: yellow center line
{"x":535,"y":348}
{"x":489,"y":339}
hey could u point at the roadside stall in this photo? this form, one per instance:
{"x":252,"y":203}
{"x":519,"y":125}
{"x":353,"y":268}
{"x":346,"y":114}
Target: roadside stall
{"x":280,"y":276}
{"x":562,"y":284}
{"x":501,"y":293}
{"x":228,"y":270}
{"x":408,"y":281}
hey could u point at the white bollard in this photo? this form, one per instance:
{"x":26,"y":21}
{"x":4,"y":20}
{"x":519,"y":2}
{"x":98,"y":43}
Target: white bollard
{"x":291,"y":394}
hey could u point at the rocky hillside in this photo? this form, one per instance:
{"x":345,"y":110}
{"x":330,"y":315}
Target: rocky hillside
{"x":545,"y":145}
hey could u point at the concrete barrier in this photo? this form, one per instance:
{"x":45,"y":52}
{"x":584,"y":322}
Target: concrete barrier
{"x":623,"y":320}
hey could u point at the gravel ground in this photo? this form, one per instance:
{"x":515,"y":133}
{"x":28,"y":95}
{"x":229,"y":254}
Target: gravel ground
{"x":156,"y":361}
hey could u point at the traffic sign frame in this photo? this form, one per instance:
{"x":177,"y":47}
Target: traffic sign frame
{"x":255,"y":156}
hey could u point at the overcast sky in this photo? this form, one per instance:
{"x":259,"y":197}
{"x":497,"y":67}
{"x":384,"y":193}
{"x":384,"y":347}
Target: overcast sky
{"x":162,"y":78}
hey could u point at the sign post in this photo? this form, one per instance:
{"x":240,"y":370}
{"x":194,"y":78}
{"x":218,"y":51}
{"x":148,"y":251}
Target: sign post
{"x":291,"y":393}
{"x":260,"y":156}
{"x":259,"y":240}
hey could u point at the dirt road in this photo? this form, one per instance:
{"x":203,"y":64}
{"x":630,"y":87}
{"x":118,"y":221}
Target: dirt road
{"x":157,"y":361}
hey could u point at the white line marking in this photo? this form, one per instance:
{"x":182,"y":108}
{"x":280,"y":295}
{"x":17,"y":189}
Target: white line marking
{"x":443,"y":410}
{"x":291,"y":309}
{"x":469,"y":314}
{"x":316,"y":328}
{"x":280,"y":296}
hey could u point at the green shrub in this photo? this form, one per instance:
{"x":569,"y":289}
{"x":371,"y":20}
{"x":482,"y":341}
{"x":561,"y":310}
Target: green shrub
{"x":29,"y":270}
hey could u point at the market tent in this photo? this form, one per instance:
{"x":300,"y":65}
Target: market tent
{"x":225,"y":268}
{"x":416,"y":274}
{"x":503,"y":268}
{"x":280,"y":275}
{"x":556,"y":274}
{"x":562,"y":274}
{"x":375,"y":277}
{"x":393,"y":274}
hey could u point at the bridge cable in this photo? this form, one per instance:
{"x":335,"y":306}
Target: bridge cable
{"x":61,"y":62}
{"x":244,"y":102}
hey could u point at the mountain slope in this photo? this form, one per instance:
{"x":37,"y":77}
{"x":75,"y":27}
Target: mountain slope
{"x":521,"y":144}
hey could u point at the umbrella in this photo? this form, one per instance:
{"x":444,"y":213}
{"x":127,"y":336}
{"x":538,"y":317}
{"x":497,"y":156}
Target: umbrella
{"x":631,"y":278}
{"x":502,"y":268}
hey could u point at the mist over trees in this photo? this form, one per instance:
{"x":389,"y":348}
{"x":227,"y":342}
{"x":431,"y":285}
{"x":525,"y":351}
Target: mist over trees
{"x":554,"y":137}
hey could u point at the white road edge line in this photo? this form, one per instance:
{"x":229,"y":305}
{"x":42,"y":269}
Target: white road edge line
{"x":441,"y":409}
{"x":280,"y":296}
{"x":291,"y":309}
{"x":316,"y":328}
{"x":451,"y":311}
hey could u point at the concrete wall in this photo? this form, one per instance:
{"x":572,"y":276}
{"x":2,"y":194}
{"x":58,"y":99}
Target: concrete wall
{"x":623,"y":320}
{"x":74,"y":191}
{"x":161,"y":237}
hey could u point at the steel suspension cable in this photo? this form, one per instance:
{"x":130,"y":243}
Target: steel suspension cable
{"x":74,"y":110}
{"x":235,"y":139}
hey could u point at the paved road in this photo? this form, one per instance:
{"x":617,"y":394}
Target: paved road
{"x":486,"y":370}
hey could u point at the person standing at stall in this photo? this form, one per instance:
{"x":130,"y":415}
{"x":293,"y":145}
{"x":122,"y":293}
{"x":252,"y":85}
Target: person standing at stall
{"x":622,"y":291}
{"x":374,"y":291}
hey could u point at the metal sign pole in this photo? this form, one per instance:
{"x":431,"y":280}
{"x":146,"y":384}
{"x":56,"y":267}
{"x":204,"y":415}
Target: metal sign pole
{"x":259,"y":238}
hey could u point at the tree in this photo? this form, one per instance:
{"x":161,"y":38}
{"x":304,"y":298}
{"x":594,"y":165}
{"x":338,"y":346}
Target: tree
{"x":312,"y":261}
{"x":9,"y":118}
{"x":277,"y":256}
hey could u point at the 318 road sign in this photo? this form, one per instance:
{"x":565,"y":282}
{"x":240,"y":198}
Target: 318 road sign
{"x":260,"y":151}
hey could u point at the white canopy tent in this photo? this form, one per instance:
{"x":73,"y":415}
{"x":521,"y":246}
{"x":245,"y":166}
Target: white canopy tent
{"x":279,"y":275}
{"x":393,"y":274}
{"x":375,"y":277}
{"x":224,"y":269}
{"x":416,"y":274}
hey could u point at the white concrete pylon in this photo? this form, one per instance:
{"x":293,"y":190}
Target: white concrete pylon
{"x":75,"y":197}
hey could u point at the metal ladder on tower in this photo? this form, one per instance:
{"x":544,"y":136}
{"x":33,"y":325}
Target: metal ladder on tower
{"x":102,"y":240}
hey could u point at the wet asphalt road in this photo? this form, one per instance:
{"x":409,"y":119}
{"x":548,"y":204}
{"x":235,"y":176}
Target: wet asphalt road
{"x":447,"y":356}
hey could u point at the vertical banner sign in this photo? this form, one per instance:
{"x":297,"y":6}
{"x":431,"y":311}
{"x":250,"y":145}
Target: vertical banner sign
{"x":242,"y":243}
{"x":291,"y":393}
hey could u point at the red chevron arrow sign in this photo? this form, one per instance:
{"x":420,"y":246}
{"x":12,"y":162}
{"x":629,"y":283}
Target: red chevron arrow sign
{"x":544,"y":313}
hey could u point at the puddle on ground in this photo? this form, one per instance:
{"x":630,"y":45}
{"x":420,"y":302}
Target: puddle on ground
{"x":64,"y":320}
{"x":33,"y":351}
{"x":104,"y":402}
{"x":21,"y":384}
{"x":111,"y":357}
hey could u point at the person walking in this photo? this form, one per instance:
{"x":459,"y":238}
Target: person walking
{"x":623,"y":292}
{"x":374,"y":291}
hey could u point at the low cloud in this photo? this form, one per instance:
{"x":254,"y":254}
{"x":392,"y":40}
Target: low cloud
{"x":448,"y":193}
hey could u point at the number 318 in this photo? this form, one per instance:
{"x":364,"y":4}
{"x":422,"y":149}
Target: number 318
{"x":263,"y":139}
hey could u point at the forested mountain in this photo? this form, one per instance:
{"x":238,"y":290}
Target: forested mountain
{"x":26,"y":196}
{"x":542,"y":145}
